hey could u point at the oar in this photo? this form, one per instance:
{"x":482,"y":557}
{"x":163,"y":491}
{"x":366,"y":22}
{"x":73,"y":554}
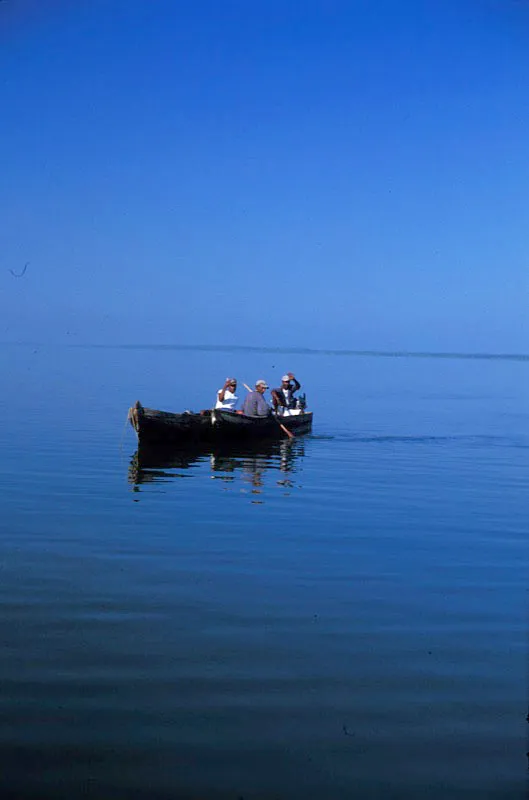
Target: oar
{"x":285,"y":429}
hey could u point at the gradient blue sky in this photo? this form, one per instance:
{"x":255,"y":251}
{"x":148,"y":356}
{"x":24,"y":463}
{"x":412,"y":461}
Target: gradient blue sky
{"x":321,"y":174}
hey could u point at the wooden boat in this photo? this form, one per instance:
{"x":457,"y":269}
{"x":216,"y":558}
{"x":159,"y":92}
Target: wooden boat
{"x":157,"y":428}
{"x":234,"y":425}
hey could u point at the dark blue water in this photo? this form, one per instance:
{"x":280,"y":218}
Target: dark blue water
{"x":341,"y":617}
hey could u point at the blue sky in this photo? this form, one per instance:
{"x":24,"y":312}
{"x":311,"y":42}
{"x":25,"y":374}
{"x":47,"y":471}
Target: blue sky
{"x":320,"y":174}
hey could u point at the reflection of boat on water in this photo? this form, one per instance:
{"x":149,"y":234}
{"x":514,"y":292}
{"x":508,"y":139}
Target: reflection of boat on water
{"x":254,"y":462}
{"x":151,"y":467}
{"x":213,"y":427}
{"x":151,"y":464}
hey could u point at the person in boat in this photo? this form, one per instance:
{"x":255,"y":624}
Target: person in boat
{"x":254,"y":403}
{"x":284,"y":396}
{"x":226,"y":397}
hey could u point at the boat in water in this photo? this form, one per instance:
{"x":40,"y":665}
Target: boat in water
{"x":158,"y":428}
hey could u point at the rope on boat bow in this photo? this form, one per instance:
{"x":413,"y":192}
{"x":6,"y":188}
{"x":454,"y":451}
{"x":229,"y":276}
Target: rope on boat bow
{"x":133,"y":417}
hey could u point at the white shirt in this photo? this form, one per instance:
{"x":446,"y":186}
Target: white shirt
{"x":230,"y":400}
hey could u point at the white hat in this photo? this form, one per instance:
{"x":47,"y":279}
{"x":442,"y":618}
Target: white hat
{"x":261,"y":383}
{"x":285,"y":378}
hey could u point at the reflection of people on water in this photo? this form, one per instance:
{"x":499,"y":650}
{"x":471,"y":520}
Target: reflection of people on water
{"x":223,"y":463}
{"x":287,"y":455}
{"x":253,"y":470}
{"x":254,"y":464}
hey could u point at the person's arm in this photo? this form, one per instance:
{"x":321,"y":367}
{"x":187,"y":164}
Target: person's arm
{"x":248,"y":407}
{"x":221,"y":393}
{"x":276,"y":398}
{"x":297,"y":384}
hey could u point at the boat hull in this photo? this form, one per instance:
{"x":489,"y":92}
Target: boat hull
{"x":158,"y":428}
{"x":230,"y":424}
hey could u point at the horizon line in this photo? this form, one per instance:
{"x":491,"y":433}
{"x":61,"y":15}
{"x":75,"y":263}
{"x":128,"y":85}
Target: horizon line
{"x":286,"y":350}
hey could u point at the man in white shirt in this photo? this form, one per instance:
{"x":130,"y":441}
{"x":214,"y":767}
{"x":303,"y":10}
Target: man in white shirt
{"x":226,"y":397}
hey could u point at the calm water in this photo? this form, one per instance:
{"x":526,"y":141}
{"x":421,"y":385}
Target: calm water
{"x":344,"y":617}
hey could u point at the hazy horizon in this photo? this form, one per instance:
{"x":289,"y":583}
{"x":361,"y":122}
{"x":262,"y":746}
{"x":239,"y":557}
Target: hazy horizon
{"x":279,"y":350}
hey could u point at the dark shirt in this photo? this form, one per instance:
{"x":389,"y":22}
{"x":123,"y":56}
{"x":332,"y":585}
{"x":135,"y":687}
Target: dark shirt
{"x":255,"y":405}
{"x":282,"y":397}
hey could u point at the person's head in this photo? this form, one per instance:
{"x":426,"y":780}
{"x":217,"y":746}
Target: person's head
{"x":231,"y":384}
{"x":261,"y":386}
{"x":285,"y":382}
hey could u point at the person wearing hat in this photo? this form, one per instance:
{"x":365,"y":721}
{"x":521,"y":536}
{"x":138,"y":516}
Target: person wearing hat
{"x":284,"y":396}
{"x":226,"y":397}
{"x":254,"y":403}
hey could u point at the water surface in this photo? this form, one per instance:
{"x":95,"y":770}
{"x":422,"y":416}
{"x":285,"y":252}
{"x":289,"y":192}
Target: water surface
{"x":340,"y":617}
